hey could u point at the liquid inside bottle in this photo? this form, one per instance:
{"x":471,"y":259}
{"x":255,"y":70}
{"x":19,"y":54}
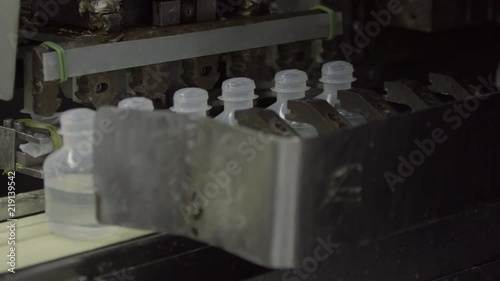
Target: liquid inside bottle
{"x":71,"y":208}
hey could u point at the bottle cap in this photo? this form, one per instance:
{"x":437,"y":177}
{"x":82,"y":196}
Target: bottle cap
{"x":290,"y":81}
{"x":337,"y":72}
{"x":238,"y":89}
{"x":137,"y":103}
{"x":78,"y":121}
{"x":190,"y":100}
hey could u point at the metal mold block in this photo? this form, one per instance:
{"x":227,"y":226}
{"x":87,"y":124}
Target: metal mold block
{"x":410,"y":93}
{"x":269,"y":199}
{"x":166,"y":13}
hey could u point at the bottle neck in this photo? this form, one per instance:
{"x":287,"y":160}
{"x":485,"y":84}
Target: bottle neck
{"x":195,"y":114}
{"x":330,"y":92}
{"x":334,"y":88}
{"x":290,"y":96}
{"x":238,"y":105}
{"x":245,"y":95}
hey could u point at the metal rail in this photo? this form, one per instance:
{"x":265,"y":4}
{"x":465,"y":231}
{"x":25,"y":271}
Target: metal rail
{"x":121,"y":55}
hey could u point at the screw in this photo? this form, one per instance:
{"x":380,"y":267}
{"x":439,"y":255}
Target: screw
{"x":277,"y":125}
{"x":98,"y":87}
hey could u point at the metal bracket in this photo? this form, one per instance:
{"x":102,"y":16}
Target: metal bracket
{"x":319,"y":114}
{"x":366,"y":102}
{"x":10,"y":135}
{"x":410,"y":93}
{"x":453,"y":85}
{"x":166,"y":12}
{"x":264,"y":120}
{"x":26,"y":204}
{"x":45,"y":100}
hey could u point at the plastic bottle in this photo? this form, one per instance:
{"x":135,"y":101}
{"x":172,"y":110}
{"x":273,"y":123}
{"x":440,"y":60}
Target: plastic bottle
{"x":191,"y":101}
{"x":137,"y":103}
{"x":291,"y":85}
{"x":336,"y":76}
{"x":237,"y":94}
{"x":70,"y":202}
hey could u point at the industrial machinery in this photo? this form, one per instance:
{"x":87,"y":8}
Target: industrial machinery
{"x":411,"y":195}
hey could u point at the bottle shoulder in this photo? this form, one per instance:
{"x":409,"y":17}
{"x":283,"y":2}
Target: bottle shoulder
{"x":68,"y":160}
{"x":227,"y":117}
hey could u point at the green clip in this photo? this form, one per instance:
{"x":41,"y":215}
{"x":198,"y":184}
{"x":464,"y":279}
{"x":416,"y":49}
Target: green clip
{"x":331,"y":13}
{"x":63,"y":72}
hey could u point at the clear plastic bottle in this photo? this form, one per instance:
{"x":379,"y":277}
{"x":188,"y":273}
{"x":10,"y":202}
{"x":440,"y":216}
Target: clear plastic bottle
{"x":137,"y":103}
{"x":291,"y":85}
{"x":336,"y":76}
{"x":70,"y":202}
{"x":191,"y":101}
{"x":237,"y":94}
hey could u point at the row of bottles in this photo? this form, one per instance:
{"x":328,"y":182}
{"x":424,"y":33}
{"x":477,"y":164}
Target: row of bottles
{"x":239,"y":94}
{"x":69,"y":185}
